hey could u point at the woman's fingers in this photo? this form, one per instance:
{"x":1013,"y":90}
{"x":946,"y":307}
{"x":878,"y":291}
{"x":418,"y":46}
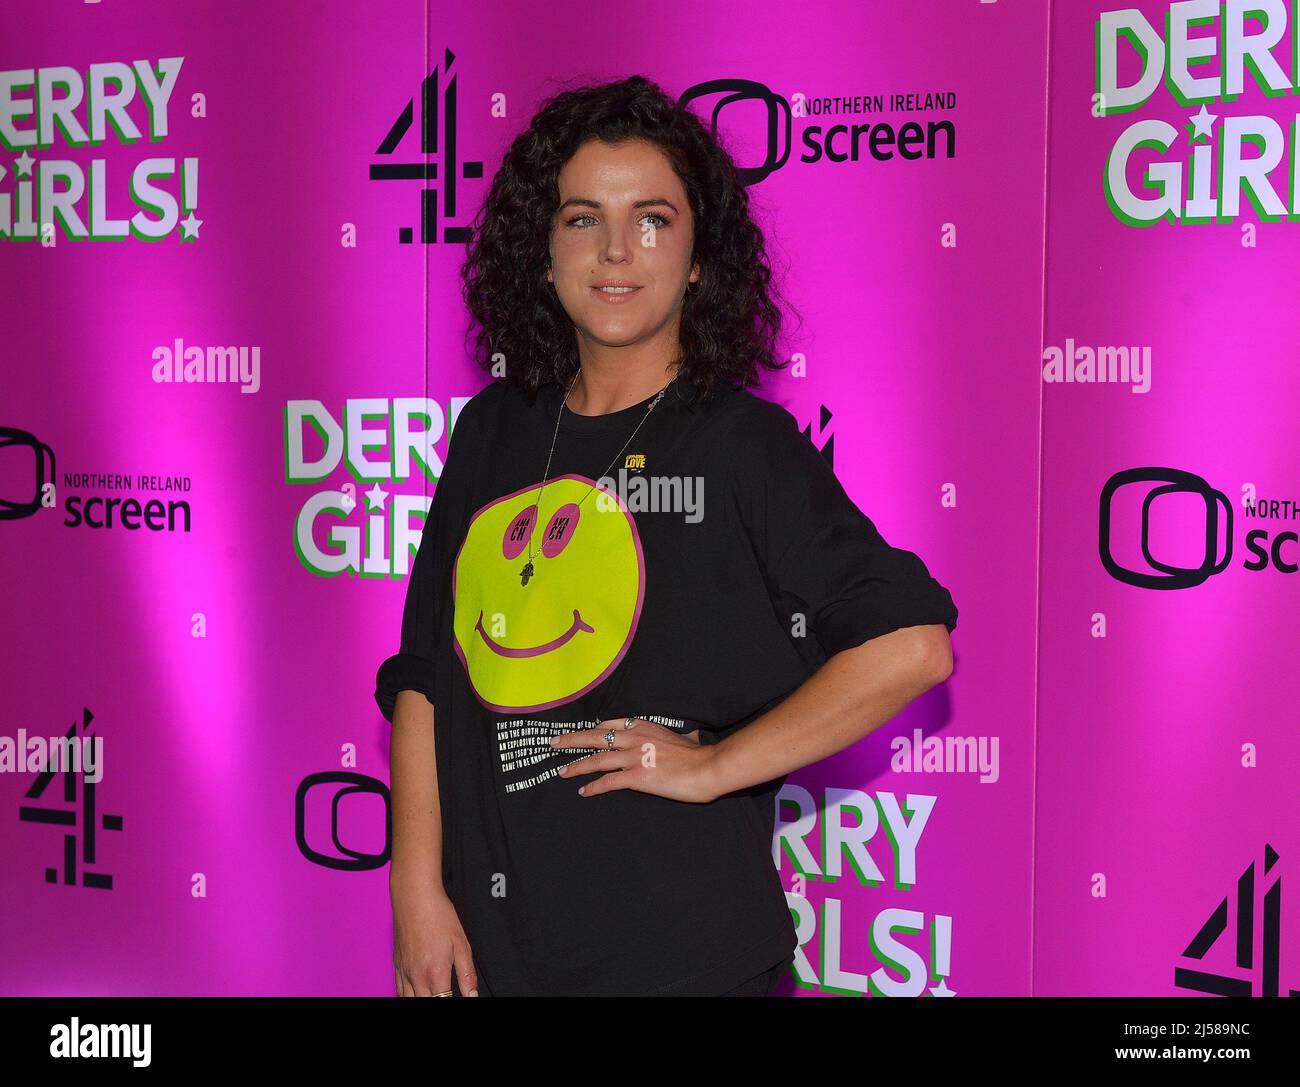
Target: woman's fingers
{"x":439,"y":980}
{"x":404,"y":987}
{"x":598,"y":762}
{"x":466,"y":975}
{"x":641,"y":731}
{"x":459,"y":973}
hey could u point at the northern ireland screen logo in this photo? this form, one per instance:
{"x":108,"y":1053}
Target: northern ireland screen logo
{"x":1166,"y":528}
{"x":836,"y":129}
{"x":333,"y":798}
{"x":27,"y":467}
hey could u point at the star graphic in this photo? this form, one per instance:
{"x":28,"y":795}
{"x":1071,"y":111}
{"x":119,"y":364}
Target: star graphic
{"x":24,"y":162}
{"x":942,"y":989}
{"x":375,"y":497}
{"x":1201,"y":124}
{"x":190,"y":227}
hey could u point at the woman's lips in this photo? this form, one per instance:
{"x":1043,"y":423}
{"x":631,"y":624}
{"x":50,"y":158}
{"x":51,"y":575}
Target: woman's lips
{"x":615,"y":299}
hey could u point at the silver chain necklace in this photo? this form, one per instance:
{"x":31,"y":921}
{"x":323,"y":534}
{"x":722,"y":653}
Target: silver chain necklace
{"x":527,"y":571}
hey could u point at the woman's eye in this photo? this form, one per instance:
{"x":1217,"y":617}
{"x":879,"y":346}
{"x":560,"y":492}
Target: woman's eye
{"x":663,"y":221}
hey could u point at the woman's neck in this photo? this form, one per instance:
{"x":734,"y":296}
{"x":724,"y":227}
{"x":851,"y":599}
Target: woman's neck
{"x":601,"y":389}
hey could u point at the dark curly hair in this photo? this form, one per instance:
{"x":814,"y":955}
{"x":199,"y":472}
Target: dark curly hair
{"x":730,"y":319}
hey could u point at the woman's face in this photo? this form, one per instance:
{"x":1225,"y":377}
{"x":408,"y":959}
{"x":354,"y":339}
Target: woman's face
{"x":623,"y":218}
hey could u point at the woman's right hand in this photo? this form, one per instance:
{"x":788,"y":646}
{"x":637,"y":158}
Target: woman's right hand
{"x":428,"y":940}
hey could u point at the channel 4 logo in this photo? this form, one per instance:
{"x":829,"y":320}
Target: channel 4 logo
{"x":819,"y":433}
{"x":434,"y":138}
{"x":1201,"y":530}
{"x":76,"y":813}
{"x":1232,"y":932}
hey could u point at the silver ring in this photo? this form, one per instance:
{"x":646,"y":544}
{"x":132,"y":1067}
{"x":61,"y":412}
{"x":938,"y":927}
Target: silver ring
{"x":627,"y":723}
{"x":609,"y":738}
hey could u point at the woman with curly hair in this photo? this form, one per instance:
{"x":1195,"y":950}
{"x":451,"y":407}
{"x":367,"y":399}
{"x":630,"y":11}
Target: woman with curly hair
{"x":641,"y":597}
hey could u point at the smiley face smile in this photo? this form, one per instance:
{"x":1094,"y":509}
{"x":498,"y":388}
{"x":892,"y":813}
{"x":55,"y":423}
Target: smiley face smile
{"x":536,"y":650}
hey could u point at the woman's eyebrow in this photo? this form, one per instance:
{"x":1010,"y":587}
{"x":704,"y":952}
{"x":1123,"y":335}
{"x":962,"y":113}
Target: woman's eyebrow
{"x":584,"y":202}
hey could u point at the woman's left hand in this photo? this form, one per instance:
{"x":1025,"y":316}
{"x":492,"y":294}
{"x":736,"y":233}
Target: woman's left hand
{"x":647,"y":757}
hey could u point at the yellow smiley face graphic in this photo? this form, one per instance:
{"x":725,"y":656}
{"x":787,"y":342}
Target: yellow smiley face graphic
{"x":534,"y":645}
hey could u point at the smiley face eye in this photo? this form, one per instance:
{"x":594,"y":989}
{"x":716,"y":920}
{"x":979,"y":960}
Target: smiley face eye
{"x":560,"y":529}
{"x":516,"y":535}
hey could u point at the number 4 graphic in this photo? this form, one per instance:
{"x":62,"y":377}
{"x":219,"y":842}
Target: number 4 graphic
{"x":1216,"y":926}
{"x":434,"y":138}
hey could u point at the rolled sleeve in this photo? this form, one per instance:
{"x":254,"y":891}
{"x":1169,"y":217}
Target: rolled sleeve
{"x":414,"y":666}
{"x":822,"y":556}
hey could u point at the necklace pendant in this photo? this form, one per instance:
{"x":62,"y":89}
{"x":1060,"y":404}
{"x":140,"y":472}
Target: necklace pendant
{"x":526,"y":573}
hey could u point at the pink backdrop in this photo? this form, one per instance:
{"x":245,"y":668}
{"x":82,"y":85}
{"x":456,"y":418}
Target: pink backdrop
{"x":1142,"y":753}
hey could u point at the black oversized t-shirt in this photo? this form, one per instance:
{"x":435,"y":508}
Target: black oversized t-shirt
{"x":700,"y":598}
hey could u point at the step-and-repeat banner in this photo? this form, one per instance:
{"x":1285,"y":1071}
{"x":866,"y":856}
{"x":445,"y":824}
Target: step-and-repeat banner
{"x":1040,"y":254}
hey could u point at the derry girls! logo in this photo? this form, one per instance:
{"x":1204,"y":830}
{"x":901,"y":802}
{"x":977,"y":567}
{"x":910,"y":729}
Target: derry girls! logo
{"x":1199,"y":169}
{"x":46,"y":110}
